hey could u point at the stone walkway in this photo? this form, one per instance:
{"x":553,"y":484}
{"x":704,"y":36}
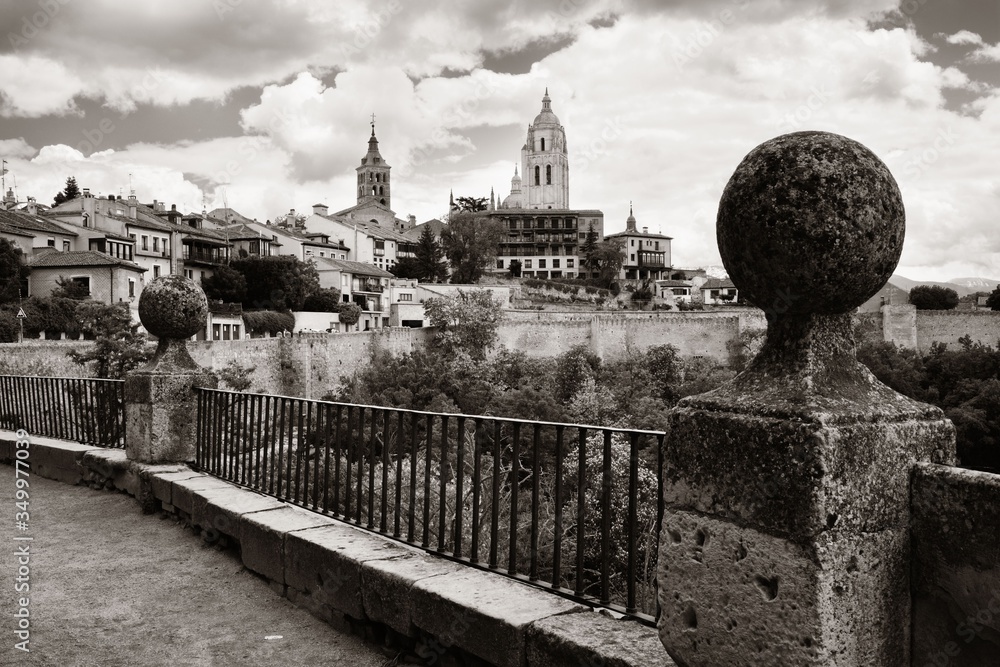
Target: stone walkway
{"x":112,"y":587}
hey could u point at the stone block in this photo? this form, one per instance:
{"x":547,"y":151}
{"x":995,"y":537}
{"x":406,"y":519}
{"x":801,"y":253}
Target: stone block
{"x":486,"y":614}
{"x":592,"y":640}
{"x":105,"y":462}
{"x":387,"y":584}
{"x":786,"y":540}
{"x":182,"y":491}
{"x":262,"y":537}
{"x":219,"y":510}
{"x":158,"y":414}
{"x":324,"y":563}
{"x":956,"y":567}
{"x":162,"y":483}
{"x":58,"y":461}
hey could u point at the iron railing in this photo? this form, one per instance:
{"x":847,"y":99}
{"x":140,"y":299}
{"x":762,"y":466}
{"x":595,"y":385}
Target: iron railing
{"x":507,"y":495}
{"x":88,"y":411}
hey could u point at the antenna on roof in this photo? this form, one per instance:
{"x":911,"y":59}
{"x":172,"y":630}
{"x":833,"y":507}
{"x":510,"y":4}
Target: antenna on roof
{"x":131,"y":190}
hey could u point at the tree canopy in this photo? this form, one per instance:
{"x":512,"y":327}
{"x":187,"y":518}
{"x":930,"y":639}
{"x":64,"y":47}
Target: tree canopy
{"x":471,"y":204}
{"x":471,"y":243}
{"x":608,"y":258}
{"x":993,"y":300}
{"x":225,"y":284}
{"x":11,"y":271}
{"x":277,"y":283}
{"x":70,"y":192}
{"x":467,"y":321}
{"x":326,"y":300}
{"x":933,"y":297}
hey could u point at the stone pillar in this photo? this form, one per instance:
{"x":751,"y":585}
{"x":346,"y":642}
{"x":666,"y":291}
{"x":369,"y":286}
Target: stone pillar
{"x":160,"y":402}
{"x":785,"y":537}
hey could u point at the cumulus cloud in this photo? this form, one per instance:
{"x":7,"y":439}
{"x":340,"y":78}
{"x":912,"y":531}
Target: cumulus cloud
{"x":660,"y":100}
{"x":964,"y":37}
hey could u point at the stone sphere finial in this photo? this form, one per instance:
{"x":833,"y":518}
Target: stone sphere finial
{"x":173,"y":307}
{"x":810,"y":222}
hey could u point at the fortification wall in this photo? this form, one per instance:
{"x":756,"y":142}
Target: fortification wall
{"x":935,"y":326}
{"x":45,"y":358}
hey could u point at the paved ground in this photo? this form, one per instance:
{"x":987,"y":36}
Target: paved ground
{"x":111,"y":587}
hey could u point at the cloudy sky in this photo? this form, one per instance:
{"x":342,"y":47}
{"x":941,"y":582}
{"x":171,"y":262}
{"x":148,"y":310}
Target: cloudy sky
{"x":268,"y":103}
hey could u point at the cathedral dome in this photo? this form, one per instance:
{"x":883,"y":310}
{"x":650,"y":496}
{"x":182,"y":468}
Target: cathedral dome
{"x":546,"y":116}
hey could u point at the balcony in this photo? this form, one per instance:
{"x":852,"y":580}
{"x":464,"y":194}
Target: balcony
{"x":205,"y":256}
{"x":372,"y":286}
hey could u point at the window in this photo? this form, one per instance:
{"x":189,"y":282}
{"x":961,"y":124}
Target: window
{"x":82,"y":281}
{"x":541,"y":263}
{"x":131,"y":288}
{"x":527,"y":263}
{"x":65,"y":246}
{"x":406,"y":297}
{"x":189,"y":274}
{"x":156,"y":271}
{"x":156,"y":244}
{"x":499,"y":263}
{"x":548,"y":174}
{"x":633,"y":258}
{"x":543,"y":143}
{"x":555,"y":264}
{"x":145,"y":242}
{"x":52,"y":243}
{"x":582,"y":236}
{"x":570,"y":263}
{"x":538,"y":175}
{"x":631,"y":242}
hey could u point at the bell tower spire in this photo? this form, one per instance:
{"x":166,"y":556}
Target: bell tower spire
{"x":373,"y":174}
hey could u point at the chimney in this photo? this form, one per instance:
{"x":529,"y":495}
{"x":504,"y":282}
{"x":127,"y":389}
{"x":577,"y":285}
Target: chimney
{"x":88,"y":205}
{"x":32,"y":206}
{"x":320,"y":209}
{"x":173,"y":207}
{"x":412,"y":220}
{"x":111,"y":197}
{"x":133,"y":205}
{"x":645,"y":230}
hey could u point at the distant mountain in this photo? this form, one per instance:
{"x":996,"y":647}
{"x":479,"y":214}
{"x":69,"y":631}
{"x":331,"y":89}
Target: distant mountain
{"x":905,"y":283}
{"x":977,"y":284}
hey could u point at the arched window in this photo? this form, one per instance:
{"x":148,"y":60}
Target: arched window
{"x":361,"y":179}
{"x":381,"y":190}
{"x":361,"y":192}
{"x":538,"y":175}
{"x":548,"y":174}
{"x":378,"y":178}
{"x":374,"y":190}
{"x":543,"y":143}
{"x":371,"y":177}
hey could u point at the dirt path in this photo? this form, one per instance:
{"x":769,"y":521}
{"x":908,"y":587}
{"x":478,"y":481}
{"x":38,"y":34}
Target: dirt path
{"x":111,"y":587}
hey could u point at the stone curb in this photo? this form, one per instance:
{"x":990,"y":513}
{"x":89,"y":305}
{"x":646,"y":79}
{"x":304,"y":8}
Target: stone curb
{"x":344,"y":574}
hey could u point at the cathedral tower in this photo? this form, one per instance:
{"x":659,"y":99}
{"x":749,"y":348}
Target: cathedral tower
{"x":545,"y":162}
{"x":373,"y":175}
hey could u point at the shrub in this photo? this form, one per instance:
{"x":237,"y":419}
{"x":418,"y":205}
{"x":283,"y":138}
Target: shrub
{"x":268,"y":321}
{"x":350,"y":313}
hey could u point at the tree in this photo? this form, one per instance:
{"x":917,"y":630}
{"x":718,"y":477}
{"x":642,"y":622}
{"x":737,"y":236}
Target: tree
{"x":470,"y":204}
{"x":350,"y":313}
{"x":514,"y":270}
{"x":277,"y":283}
{"x":119,"y":346}
{"x":608,"y":258}
{"x":69,"y":193}
{"x":471,"y":244}
{"x":467,"y":321}
{"x":589,"y":248}
{"x":226,"y":284}
{"x":326,"y":300}
{"x":67,"y":288}
{"x":407,"y":268}
{"x":429,"y":256}
{"x":933,"y":297}
{"x":11,"y":271}
{"x":993,"y":300}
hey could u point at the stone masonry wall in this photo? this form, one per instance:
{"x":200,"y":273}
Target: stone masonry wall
{"x":310,"y":365}
{"x":949,"y":326}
